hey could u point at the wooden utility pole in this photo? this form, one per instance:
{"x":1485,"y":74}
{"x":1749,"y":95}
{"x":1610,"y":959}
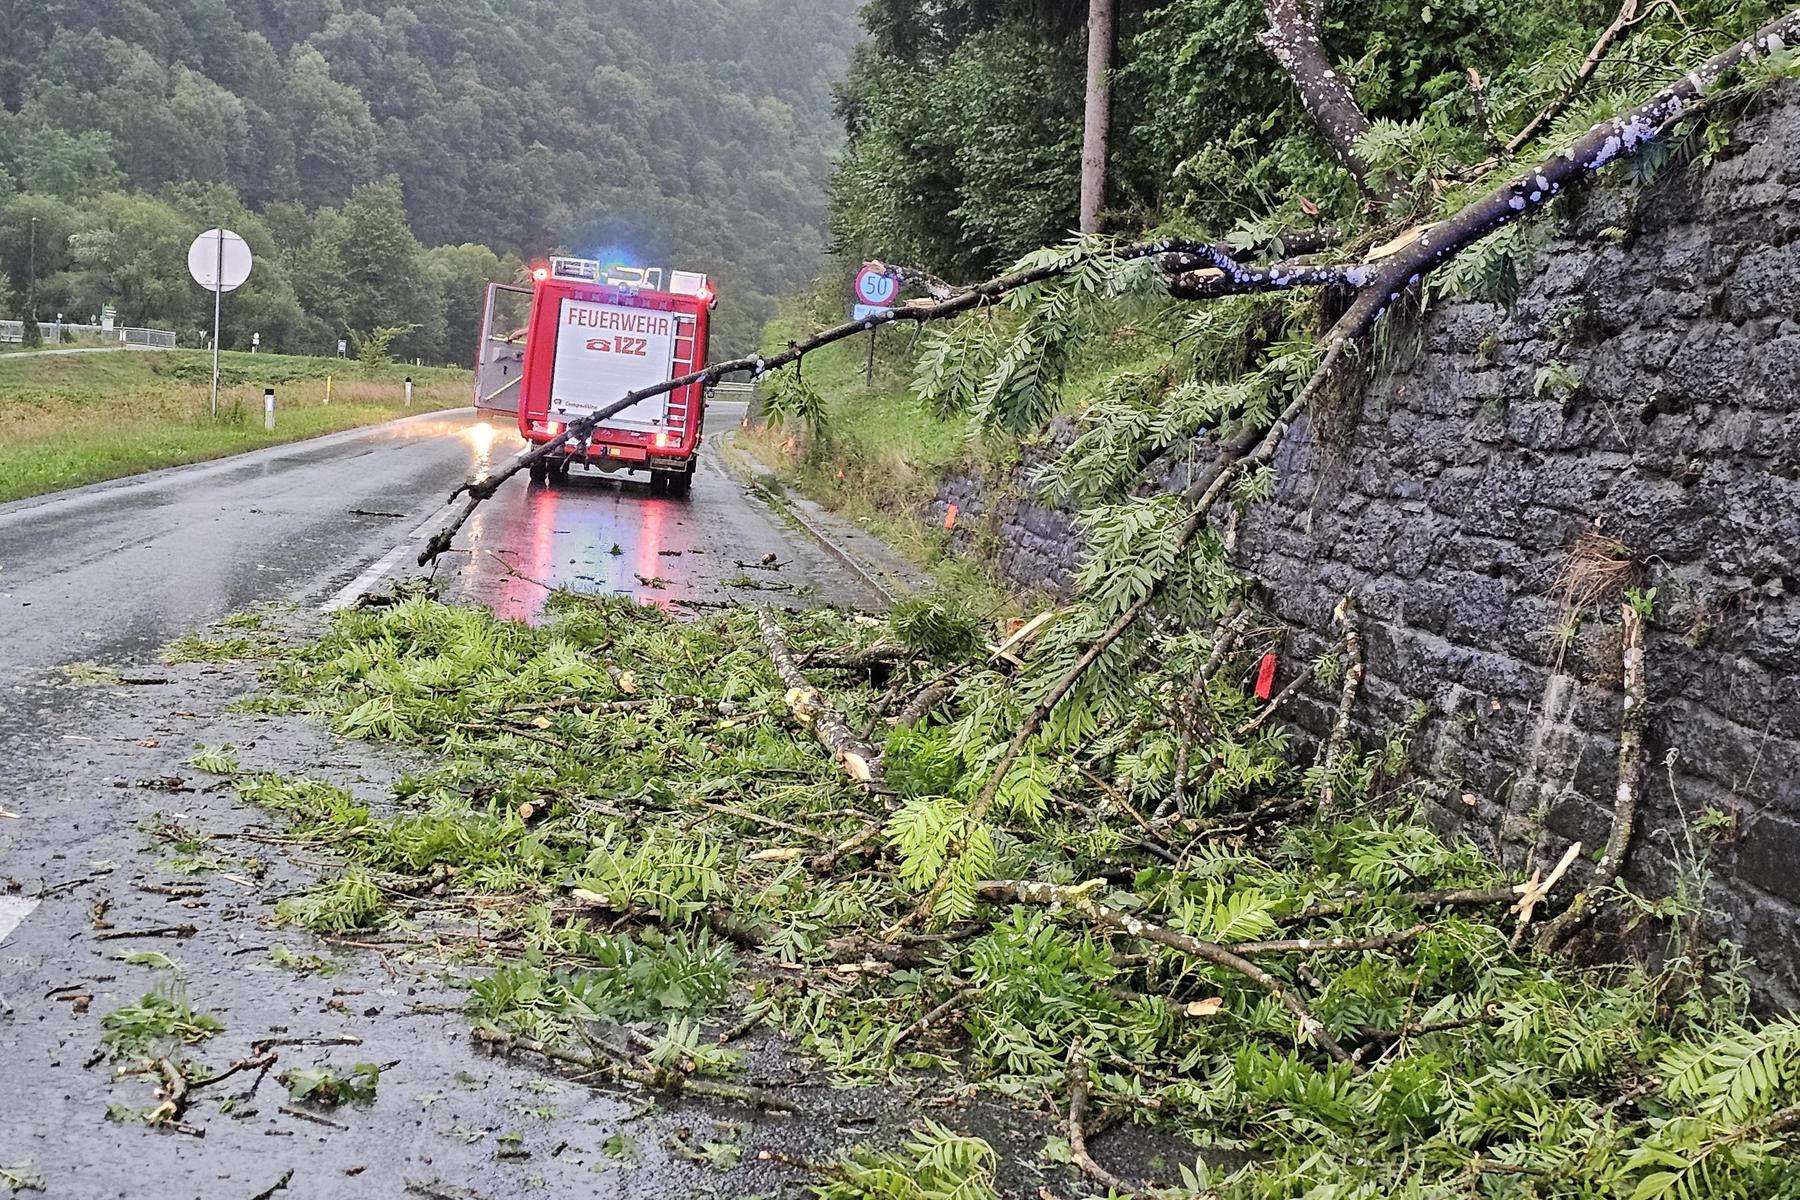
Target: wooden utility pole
{"x":1102,"y":25}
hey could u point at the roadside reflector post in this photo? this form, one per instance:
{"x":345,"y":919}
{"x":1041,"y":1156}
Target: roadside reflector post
{"x":328,"y":389}
{"x":409,"y":391}
{"x":269,"y":409}
{"x":1265,"y":677}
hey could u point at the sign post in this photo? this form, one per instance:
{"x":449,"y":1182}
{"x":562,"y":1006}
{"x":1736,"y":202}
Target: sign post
{"x":219,"y":260}
{"x":874,"y":294}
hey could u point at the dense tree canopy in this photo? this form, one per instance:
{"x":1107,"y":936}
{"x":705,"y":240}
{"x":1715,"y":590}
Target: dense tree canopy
{"x":694,"y":133}
{"x":965,"y":115}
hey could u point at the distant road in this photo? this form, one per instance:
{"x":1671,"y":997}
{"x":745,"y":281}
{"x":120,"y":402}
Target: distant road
{"x":113,"y":571}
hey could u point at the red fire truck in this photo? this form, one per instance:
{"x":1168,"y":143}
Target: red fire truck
{"x":592,"y":335}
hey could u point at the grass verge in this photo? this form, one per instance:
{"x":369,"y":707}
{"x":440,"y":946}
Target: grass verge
{"x":68,"y":420}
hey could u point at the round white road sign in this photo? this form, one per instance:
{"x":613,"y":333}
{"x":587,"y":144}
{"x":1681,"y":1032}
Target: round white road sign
{"x":219,"y":260}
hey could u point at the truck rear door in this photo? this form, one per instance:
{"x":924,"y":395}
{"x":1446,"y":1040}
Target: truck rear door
{"x":603,"y":352}
{"x":500,"y":358}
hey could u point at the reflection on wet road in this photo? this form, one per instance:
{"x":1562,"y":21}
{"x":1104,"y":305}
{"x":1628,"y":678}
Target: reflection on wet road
{"x":118,"y":569}
{"x":608,"y":534}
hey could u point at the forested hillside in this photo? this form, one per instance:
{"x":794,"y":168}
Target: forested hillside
{"x":692,"y":132}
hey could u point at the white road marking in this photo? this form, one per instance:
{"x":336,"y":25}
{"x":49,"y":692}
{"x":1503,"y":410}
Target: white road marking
{"x":13,"y":910}
{"x":346,"y":595}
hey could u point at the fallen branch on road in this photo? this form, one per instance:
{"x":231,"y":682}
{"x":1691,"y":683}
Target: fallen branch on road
{"x":860,"y":761}
{"x":616,"y":1071}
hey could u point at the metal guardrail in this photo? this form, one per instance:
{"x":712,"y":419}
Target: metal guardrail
{"x":121,"y":335}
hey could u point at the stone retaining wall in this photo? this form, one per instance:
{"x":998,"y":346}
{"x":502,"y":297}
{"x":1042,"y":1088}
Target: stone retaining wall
{"x":1450,"y":504}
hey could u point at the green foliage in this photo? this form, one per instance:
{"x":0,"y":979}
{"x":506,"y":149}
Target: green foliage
{"x":632,"y":980}
{"x":786,"y":396}
{"x":530,"y":128}
{"x":349,"y":904}
{"x":328,"y":1086}
{"x":1557,"y":379}
{"x":658,"y":826}
{"x":933,"y":1164}
{"x":156,"y":1024}
{"x":220,"y":760}
{"x":938,"y":627}
{"x":21,"y":1177}
{"x":672,"y":875}
{"x":375,"y":349}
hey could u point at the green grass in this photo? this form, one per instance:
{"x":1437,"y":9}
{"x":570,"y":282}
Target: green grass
{"x":68,"y":420}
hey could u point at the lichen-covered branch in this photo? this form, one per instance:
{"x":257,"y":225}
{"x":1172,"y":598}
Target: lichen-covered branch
{"x":1609,"y":141}
{"x":1078,"y":1113}
{"x":605,"y":1068}
{"x":859,"y":760}
{"x":1293,"y":40}
{"x":1353,"y":672}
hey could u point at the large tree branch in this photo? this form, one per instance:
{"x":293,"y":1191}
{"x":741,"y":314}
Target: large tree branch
{"x":1621,"y":137}
{"x":1625,"y":798}
{"x":1293,"y":40}
{"x":859,"y":760}
{"x":756,"y":365}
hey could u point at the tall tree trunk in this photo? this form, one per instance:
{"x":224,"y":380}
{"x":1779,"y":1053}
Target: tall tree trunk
{"x":1101,"y":28}
{"x":1293,"y":39}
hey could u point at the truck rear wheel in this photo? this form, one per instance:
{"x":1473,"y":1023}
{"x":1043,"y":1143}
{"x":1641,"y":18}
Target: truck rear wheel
{"x":659,"y":483}
{"x":539,"y":472}
{"x":680,"y":482}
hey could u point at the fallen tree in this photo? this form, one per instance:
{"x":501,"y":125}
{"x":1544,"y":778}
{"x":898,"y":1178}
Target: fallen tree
{"x":1275,"y":989}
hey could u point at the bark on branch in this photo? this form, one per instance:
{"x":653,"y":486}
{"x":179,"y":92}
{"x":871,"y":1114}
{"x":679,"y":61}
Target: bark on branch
{"x":1353,"y":673}
{"x":859,"y":760}
{"x":1625,"y":800}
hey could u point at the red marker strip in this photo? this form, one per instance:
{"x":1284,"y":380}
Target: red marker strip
{"x":1265,"y":677}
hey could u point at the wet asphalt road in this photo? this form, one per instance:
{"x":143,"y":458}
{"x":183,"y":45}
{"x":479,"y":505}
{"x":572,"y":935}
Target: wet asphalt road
{"x":116,"y":570}
{"x":91,"y":768}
